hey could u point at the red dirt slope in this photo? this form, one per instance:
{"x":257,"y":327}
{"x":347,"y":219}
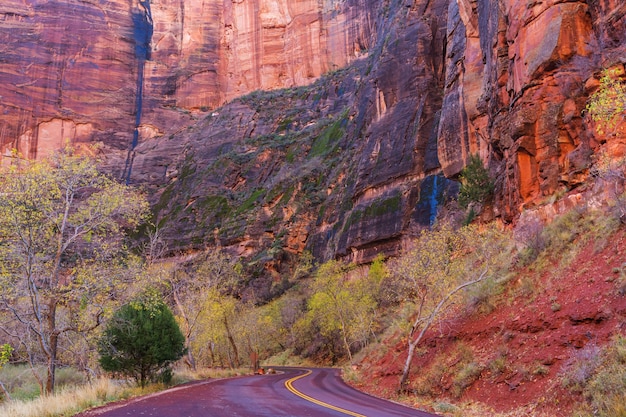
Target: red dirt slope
{"x":523,"y":345}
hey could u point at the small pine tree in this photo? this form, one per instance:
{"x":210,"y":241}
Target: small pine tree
{"x":476,"y":184}
{"x":141,"y":339}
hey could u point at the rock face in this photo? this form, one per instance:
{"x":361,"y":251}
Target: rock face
{"x":345,"y":165}
{"x":64,"y":73}
{"x":517,"y":81}
{"x":90,"y":71}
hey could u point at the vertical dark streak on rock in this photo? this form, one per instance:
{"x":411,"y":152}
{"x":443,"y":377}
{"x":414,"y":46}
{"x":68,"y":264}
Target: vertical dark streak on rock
{"x":142,"y":35}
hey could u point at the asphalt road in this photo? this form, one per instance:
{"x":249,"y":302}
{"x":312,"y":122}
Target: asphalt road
{"x":292,"y":392}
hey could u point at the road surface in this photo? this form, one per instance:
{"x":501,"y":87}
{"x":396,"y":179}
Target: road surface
{"x":292,"y":392}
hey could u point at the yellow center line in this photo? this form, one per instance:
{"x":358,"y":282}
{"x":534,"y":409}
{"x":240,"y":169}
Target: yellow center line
{"x":289,"y":386}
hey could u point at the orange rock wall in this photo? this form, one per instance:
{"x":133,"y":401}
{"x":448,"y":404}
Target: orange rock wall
{"x":515,"y":91}
{"x":66,"y":71}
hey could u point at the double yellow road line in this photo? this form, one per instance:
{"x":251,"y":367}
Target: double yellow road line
{"x":289,"y":386}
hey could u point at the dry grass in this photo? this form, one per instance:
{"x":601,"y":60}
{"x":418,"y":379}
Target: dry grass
{"x":182,"y":375}
{"x":450,"y":408}
{"x":65,"y":403}
{"x":72,"y":400}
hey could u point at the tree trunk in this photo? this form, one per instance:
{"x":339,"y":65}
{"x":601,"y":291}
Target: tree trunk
{"x":407,"y":367}
{"x":346,"y":345}
{"x":143,"y":377}
{"x":412,"y":345}
{"x":181,"y":310}
{"x":426,"y":323}
{"x":53,"y":346}
{"x":231,"y":340}
{"x":212,"y":352}
{"x":191,"y":361}
{"x":50,"y":381}
{"x":6,"y":392}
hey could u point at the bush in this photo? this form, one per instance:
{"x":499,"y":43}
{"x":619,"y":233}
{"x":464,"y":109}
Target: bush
{"x":451,"y":372}
{"x":498,"y":365}
{"x":466,"y":376}
{"x":606,"y":390}
{"x":581,"y":367}
{"x":600,"y":375}
{"x":529,"y":232}
{"x":476,"y":184}
{"x":141,"y":339}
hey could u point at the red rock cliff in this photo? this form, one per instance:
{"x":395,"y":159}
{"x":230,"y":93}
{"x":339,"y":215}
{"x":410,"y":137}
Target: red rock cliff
{"x":517,"y":79}
{"x":69,"y":68}
{"x":422,"y":84}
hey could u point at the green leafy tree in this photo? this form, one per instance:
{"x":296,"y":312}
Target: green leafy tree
{"x":341,"y":305}
{"x":607,"y":105}
{"x":440,"y":265}
{"x":188,"y":286}
{"x":476,"y":184}
{"x":141,"y":339}
{"x":56,"y":216}
{"x":216,"y":329}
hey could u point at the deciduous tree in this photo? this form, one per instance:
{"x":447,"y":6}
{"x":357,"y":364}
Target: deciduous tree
{"x":190,"y":284}
{"x":56,"y":215}
{"x":440,"y":265}
{"x":342,"y":305}
{"x":607,"y":105}
{"x":216,"y":320}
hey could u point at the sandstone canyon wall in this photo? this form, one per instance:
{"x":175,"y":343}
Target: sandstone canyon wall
{"x":72,"y":70}
{"x":517,"y":80}
{"x":371,"y":109}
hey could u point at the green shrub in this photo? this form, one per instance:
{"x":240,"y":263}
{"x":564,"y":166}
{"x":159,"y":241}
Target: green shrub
{"x":540,"y":370}
{"x":466,"y":376}
{"x":476,"y":184}
{"x":444,"y":407}
{"x":482,"y":297}
{"x":142,"y":339}
{"x":498,"y":365}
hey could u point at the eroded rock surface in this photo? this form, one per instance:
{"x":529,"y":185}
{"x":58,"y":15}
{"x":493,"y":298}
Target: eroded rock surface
{"x":78,"y":62}
{"x":346,"y":165}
